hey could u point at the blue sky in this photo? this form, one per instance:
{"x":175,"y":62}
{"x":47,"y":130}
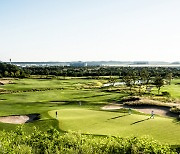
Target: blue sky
{"x":70,"y":30}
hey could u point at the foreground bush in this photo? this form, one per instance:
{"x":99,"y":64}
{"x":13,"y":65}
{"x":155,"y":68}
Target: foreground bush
{"x":54,"y":142}
{"x":175,"y":110}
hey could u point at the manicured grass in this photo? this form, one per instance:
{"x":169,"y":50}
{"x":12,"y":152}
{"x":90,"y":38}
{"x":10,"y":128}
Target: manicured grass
{"x":41,"y":96}
{"x":173,"y":89}
{"x":163,"y":129}
{"x":46,"y":122}
{"x":26,"y":101}
{"x":74,"y":83}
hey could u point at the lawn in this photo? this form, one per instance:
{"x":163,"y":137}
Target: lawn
{"x":43,"y":96}
{"x":87,"y":121}
{"x":173,"y":89}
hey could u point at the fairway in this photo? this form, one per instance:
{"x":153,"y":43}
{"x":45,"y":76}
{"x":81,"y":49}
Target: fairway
{"x":89,"y":77}
{"x":162,"y":129}
{"x":43,"y":96}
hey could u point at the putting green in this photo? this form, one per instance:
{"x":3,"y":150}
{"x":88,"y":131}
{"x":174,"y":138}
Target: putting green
{"x":163,"y":129}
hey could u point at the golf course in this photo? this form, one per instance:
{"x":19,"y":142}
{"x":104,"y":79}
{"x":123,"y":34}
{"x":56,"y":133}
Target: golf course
{"x":78,"y":103}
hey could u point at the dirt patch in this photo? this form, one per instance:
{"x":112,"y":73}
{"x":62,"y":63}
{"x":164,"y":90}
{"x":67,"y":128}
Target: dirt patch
{"x":19,"y":119}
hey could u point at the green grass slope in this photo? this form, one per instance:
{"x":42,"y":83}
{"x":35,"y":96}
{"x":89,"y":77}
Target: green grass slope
{"x":26,"y":96}
{"x":163,"y":129}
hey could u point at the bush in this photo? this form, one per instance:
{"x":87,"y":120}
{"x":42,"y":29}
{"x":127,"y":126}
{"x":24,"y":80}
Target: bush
{"x":165,"y":93}
{"x":53,"y":141}
{"x":130,"y":99}
{"x":175,"y":110}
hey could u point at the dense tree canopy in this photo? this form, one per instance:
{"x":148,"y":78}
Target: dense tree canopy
{"x":8,"y":70}
{"x":100,"y":71}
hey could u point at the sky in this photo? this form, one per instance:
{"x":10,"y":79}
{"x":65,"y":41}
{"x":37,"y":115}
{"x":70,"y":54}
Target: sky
{"x":90,"y":30}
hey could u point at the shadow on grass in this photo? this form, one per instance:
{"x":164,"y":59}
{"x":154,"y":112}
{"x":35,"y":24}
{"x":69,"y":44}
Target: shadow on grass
{"x":140,"y":121}
{"x":118,"y":117}
{"x":49,"y":103}
{"x":2,"y":99}
{"x":70,"y":102}
{"x":177,"y":121}
{"x":95,"y":96}
{"x":115,"y":99}
{"x":33,"y":117}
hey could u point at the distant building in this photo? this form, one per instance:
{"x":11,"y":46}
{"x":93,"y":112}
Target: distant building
{"x":78,"y":64}
{"x":141,"y":63}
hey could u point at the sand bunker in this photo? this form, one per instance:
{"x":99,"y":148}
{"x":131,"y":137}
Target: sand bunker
{"x":19,"y":119}
{"x":145,"y":105}
{"x":4,"y":81}
{"x":146,"y":101}
{"x":158,"y":110}
{"x":112,"y":107}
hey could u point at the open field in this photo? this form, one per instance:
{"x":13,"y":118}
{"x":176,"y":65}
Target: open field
{"x":45,"y":96}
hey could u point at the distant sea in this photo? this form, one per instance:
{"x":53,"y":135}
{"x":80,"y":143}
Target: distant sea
{"x":98,"y":63}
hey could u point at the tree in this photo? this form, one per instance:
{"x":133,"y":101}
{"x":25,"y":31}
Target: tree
{"x":6,"y":73}
{"x":144,"y":77}
{"x":159,"y":82}
{"x":12,"y":74}
{"x":169,"y":77}
{"x":128,"y":81}
{"x":112,"y":80}
{"x":17,"y":73}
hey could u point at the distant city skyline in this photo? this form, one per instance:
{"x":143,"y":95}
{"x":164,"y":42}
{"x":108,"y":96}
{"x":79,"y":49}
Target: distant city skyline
{"x":93,"y":30}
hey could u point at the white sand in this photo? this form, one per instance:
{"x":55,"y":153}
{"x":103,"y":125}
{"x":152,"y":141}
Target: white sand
{"x":18,"y":119}
{"x":147,"y":109}
{"x":14,"y":119}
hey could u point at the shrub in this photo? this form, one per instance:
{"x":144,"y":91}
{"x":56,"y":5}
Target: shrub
{"x":53,"y":141}
{"x":165,"y":93}
{"x":175,"y":109}
{"x":130,"y":99}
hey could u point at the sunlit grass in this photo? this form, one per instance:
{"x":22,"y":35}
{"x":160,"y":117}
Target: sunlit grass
{"x":118,"y":124}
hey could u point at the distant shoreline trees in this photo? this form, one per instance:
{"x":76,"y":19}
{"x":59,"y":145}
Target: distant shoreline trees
{"x":98,"y":71}
{"x":139,"y":77}
{"x":8,"y":70}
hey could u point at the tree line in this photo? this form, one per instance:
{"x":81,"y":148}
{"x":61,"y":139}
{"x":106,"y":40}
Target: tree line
{"x":8,"y":70}
{"x":98,"y":71}
{"x":130,"y":75}
{"x":145,"y":78}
